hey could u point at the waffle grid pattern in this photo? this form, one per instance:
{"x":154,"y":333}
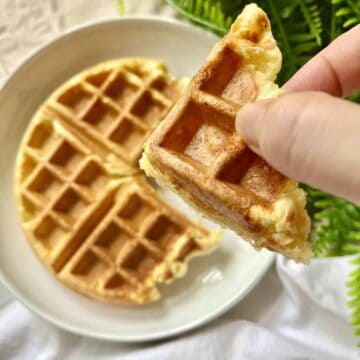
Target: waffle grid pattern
{"x":94,"y":221}
{"x":118,"y":108}
{"x":130,"y":242}
{"x":62,"y":183}
{"x":211,"y":146}
{"x":197,"y":152}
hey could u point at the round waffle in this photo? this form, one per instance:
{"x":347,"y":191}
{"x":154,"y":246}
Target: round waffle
{"x":84,"y":204}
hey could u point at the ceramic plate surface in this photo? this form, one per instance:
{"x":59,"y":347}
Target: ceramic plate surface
{"x":213,"y":283}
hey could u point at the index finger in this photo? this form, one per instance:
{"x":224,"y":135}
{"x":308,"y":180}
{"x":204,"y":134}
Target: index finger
{"x":335,"y":70}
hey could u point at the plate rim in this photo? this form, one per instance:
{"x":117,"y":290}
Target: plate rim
{"x":78,"y":330}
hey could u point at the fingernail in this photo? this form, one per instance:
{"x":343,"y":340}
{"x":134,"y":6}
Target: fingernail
{"x":248,"y":119}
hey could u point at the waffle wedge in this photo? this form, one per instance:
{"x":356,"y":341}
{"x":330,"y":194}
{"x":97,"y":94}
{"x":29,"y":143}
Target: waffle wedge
{"x":85,"y":206}
{"x":197,"y":152}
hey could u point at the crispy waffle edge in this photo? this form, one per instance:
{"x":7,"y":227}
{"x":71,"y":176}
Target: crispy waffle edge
{"x":285,"y":223}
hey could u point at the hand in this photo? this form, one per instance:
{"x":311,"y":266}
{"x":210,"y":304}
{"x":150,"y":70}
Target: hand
{"x":310,"y":134}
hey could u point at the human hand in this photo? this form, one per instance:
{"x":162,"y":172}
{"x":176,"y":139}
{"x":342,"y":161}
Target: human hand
{"x":310,"y":134}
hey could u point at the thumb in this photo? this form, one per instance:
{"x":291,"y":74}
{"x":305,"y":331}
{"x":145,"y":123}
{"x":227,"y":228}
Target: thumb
{"x":311,"y":137}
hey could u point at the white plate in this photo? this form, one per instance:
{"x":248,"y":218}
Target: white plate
{"x":212,"y":285}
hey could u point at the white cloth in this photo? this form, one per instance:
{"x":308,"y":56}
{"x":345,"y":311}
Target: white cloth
{"x":296,"y":312}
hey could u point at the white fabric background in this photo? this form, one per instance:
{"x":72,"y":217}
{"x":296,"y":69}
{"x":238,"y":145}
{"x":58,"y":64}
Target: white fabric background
{"x":296,"y":312}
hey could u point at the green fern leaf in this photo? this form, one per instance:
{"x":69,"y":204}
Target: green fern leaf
{"x":289,"y":67}
{"x":311,"y":13}
{"x":348,"y":11}
{"x":355,"y":97}
{"x":298,"y":28}
{"x":354,"y":295}
{"x":207,"y":13}
{"x":297,"y":25}
{"x":335,"y":224}
{"x":121,"y":6}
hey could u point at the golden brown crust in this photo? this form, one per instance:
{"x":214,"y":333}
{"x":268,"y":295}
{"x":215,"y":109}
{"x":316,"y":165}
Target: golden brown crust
{"x":197,"y":151}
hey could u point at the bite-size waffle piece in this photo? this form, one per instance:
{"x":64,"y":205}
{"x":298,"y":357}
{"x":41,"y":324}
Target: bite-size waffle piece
{"x":85,"y":207}
{"x":197,"y":152}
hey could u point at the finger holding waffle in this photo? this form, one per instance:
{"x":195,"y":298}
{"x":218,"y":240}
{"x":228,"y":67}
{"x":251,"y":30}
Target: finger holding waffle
{"x":197,"y":152}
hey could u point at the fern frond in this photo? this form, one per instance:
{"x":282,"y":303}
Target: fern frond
{"x":335,"y":224}
{"x":354,"y":294}
{"x":298,"y":28}
{"x":207,"y":13}
{"x":310,"y":10}
{"x":335,"y":28}
{"x":348,"y":11}
{"x":121,"y":6}
{"x":297,"y":24}
{"x":355,"y":97}
{"x":284,"y":42}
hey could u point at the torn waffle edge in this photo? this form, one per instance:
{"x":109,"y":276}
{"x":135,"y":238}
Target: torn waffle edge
{"x":291,"y":199}
{"x":45,"y":115}
{"x":300,"y":253}
{"x":149,"y":291}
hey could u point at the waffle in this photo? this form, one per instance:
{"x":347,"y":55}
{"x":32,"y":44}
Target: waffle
{"x":117,"y":104}
{"x":197,"y":152}
{"x":85,"y":206}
